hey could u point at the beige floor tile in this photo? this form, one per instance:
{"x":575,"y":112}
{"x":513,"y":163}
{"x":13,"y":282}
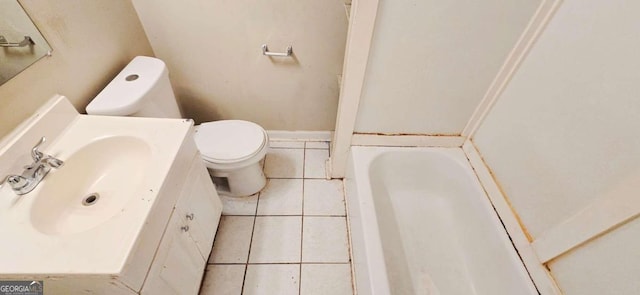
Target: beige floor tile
{"x":315,"y":162}
{"x":272,"y":279}
{"x":223,"y":279}
{"x":239,"y":206}
{"x":276,"y":239}
{"x":284,"y":163}
{"x":281,"y":197}
{"x":324,"y":239}
{"x":233,"y":239}
{"x":323,"y":279}
{"x":323,"y":197}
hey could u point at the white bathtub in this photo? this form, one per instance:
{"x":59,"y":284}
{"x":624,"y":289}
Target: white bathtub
{"x":422,"y":224}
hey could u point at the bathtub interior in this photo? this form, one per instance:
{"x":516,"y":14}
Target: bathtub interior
{"x":436,"y":230}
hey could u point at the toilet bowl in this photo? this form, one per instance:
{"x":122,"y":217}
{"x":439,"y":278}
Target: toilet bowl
{"x":232,"y":150}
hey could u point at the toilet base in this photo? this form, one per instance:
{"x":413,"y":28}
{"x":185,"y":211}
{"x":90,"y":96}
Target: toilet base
{"x":239,"y":182}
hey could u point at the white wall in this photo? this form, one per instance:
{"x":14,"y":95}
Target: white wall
{"x":212,"y":49}
{"x":431,"y":62}
{"x":564,"y":136}
{"x":91,"y":40}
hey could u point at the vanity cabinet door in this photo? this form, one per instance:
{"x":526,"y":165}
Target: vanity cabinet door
{"x":201,"y":207}
{"x":184,"y":250}
{"x":178,"y":266}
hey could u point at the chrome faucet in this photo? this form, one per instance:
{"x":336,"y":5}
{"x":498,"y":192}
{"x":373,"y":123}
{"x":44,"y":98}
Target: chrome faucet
{"x":34,"y":173}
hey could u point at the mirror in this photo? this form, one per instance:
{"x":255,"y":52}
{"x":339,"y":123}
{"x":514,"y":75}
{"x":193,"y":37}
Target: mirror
{"x":21,"y":44}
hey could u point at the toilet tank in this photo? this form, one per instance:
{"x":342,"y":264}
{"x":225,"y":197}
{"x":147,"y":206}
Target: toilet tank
{"x":141,"y":89}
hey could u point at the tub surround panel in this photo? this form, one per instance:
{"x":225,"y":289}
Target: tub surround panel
{"x":604,"y":214}
{"x":536,"y":26}
{"x":566,"y":94}
{"x":611,"y":261}
{"x":431,"y":62}
{"x":401,"y":81}
{"x":89,"y":48}
{"x":359,"y":139}
{"x":538,"y":272}
{"x":561,"y":142}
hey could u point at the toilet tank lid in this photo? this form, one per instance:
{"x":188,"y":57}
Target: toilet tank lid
{"x":125,"y":94}
{"x":229,"y":140}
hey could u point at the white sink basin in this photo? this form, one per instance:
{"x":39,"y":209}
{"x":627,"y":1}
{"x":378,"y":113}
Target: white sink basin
{"x":126,"y":164}
{"x":95,"y":183}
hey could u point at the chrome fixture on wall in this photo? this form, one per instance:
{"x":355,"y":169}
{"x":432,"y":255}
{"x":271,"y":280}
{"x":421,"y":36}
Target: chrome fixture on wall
{"x":25,"y":42}
{"x":288,"y":52}
{"x":21,"y":43}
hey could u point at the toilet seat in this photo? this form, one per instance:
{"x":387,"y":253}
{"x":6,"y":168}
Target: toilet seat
{"x":229,"y":144}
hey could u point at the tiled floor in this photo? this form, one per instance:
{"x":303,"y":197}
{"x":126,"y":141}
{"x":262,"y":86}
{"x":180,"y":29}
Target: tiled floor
{"x":291,"y":238}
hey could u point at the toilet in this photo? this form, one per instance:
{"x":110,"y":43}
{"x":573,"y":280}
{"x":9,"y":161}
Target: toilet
{"x":232,"y":150}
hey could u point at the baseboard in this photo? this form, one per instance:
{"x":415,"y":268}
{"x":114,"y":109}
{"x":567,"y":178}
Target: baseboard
{"x":363,"y":139}
{"x":283,"y":135}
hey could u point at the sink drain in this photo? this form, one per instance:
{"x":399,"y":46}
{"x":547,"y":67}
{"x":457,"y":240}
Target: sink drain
{"x":90,"y":199}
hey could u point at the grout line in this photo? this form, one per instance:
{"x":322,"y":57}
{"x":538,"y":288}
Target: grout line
{"x":286,"y":148}
{"x":354,"y":289}
{"x":284,"y":263}
{"x":214,"y":241}
{"x":246,"y":265}
{"x":327,"y":216}
{"x":329,"y":263}
{"x":294,"y":215}
{"x":302,"y":216}
{"x":304,"y":155}
{"x":317,"y":148}
{"x":318,"y":178}
{"x":307,"y":215}
{"x":287,"y":215}
{"x":298,"y":148}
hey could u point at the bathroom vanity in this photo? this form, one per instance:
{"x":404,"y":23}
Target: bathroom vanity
{"x":132,"y":210}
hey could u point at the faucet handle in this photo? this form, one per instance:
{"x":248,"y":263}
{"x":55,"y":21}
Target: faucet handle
{"x":35,"y":153}
{"x":16,"y":181}
{"x":8,"y":178}
{"x":53,"y":162}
